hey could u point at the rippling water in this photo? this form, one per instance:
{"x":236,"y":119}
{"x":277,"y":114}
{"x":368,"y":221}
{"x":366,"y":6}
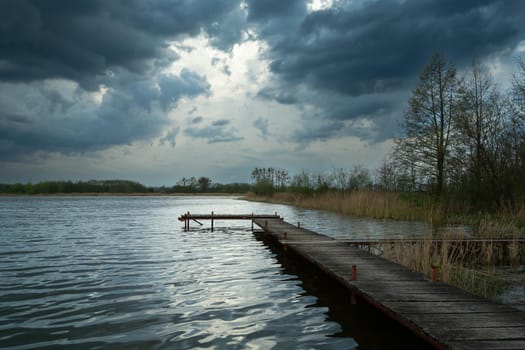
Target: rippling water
{"x":119,"y":272}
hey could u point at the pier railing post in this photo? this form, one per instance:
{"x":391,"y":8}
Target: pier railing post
{"x":354,"y":278}
{"x":435,"y":274}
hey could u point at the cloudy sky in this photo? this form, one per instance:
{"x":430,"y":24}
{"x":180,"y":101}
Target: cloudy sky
{"x":157,"y":90}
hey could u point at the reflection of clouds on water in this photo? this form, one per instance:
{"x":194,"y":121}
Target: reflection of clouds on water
{"x":121,"y":272}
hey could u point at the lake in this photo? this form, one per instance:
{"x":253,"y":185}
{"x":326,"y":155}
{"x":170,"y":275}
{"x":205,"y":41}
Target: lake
{"x":121,"y":273}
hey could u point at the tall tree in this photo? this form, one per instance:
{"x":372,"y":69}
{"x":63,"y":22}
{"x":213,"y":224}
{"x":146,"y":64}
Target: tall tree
{"x":204,"y":184}
{"x":428,"y":123}
{"x":516,"y":139}
{"x":481,"y":127}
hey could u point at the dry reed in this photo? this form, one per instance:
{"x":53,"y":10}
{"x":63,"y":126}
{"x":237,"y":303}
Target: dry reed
{"x":372,"y":204}
{"x":463,"y":263}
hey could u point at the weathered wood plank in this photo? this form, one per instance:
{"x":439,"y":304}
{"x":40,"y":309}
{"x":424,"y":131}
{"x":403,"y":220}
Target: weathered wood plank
{"x":448,"y":307}
{"x":447,"y":333}
{"x":466,"y":320}
{"x":210,"y":216}
{"x":488,"y":345}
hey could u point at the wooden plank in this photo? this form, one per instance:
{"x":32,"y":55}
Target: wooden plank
{"x":488,"y":345}
{"x":481,"y":320}
{"x":449,"y":334}
{"x":227,"y":216}
{"x":448,"y":307}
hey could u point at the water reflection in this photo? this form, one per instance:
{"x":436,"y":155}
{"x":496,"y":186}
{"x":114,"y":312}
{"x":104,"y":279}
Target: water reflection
{"x":120,"y":272}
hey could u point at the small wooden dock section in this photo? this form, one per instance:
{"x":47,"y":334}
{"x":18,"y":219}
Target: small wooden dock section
{"x":445,"y":316}
{"x":187,"y":217}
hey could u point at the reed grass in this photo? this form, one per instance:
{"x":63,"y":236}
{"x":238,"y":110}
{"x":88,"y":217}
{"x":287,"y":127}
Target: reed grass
{"x":363,"y":204}
{"x":409,"y":207}
{"x":467,"y":265}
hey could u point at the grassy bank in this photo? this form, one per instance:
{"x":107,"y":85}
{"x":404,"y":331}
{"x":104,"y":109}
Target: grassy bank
{"x":409,"y":207}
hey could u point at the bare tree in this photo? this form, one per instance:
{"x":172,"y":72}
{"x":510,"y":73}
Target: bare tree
{"x":428,"y":123}
{"x":359,"y":178}
{"x":340,"y":179}
{"x":204,"y":183}
{"x":481,"y":128}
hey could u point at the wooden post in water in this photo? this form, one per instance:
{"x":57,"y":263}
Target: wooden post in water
{"x":252,"y":221}
{"x":212,"y":221}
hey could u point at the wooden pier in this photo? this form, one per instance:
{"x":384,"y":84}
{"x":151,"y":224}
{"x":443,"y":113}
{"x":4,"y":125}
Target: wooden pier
{"x":445,"y":316}
{"x":187,"y":217}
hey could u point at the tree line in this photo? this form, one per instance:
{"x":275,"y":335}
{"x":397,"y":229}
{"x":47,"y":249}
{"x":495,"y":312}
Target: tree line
{"x":185,"y":185}
{"x":464,"y":137}
{"x":203,"y":185}
{"x":91,"y":186}
{"x":271,"y":180}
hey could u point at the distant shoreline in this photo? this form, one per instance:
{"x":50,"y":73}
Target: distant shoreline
{"x":108,"y":194}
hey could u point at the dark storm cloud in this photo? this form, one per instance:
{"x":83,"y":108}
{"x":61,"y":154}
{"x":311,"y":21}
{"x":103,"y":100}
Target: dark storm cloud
{"x":371,"y":117}
{"x":81,"y":40}
{"x":282,"y":96}
{"x":318,"y":129}
{"x":381,"y":45}
{"x":371,"y":48}
{"x":218,"y":131}
{"x":126,"y":113}
{"x":120,"y":45}
{"x":173,"y":87}
{"x":275,"y":18}
{"x":270,"y":10}
{"x":349,"y":68}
